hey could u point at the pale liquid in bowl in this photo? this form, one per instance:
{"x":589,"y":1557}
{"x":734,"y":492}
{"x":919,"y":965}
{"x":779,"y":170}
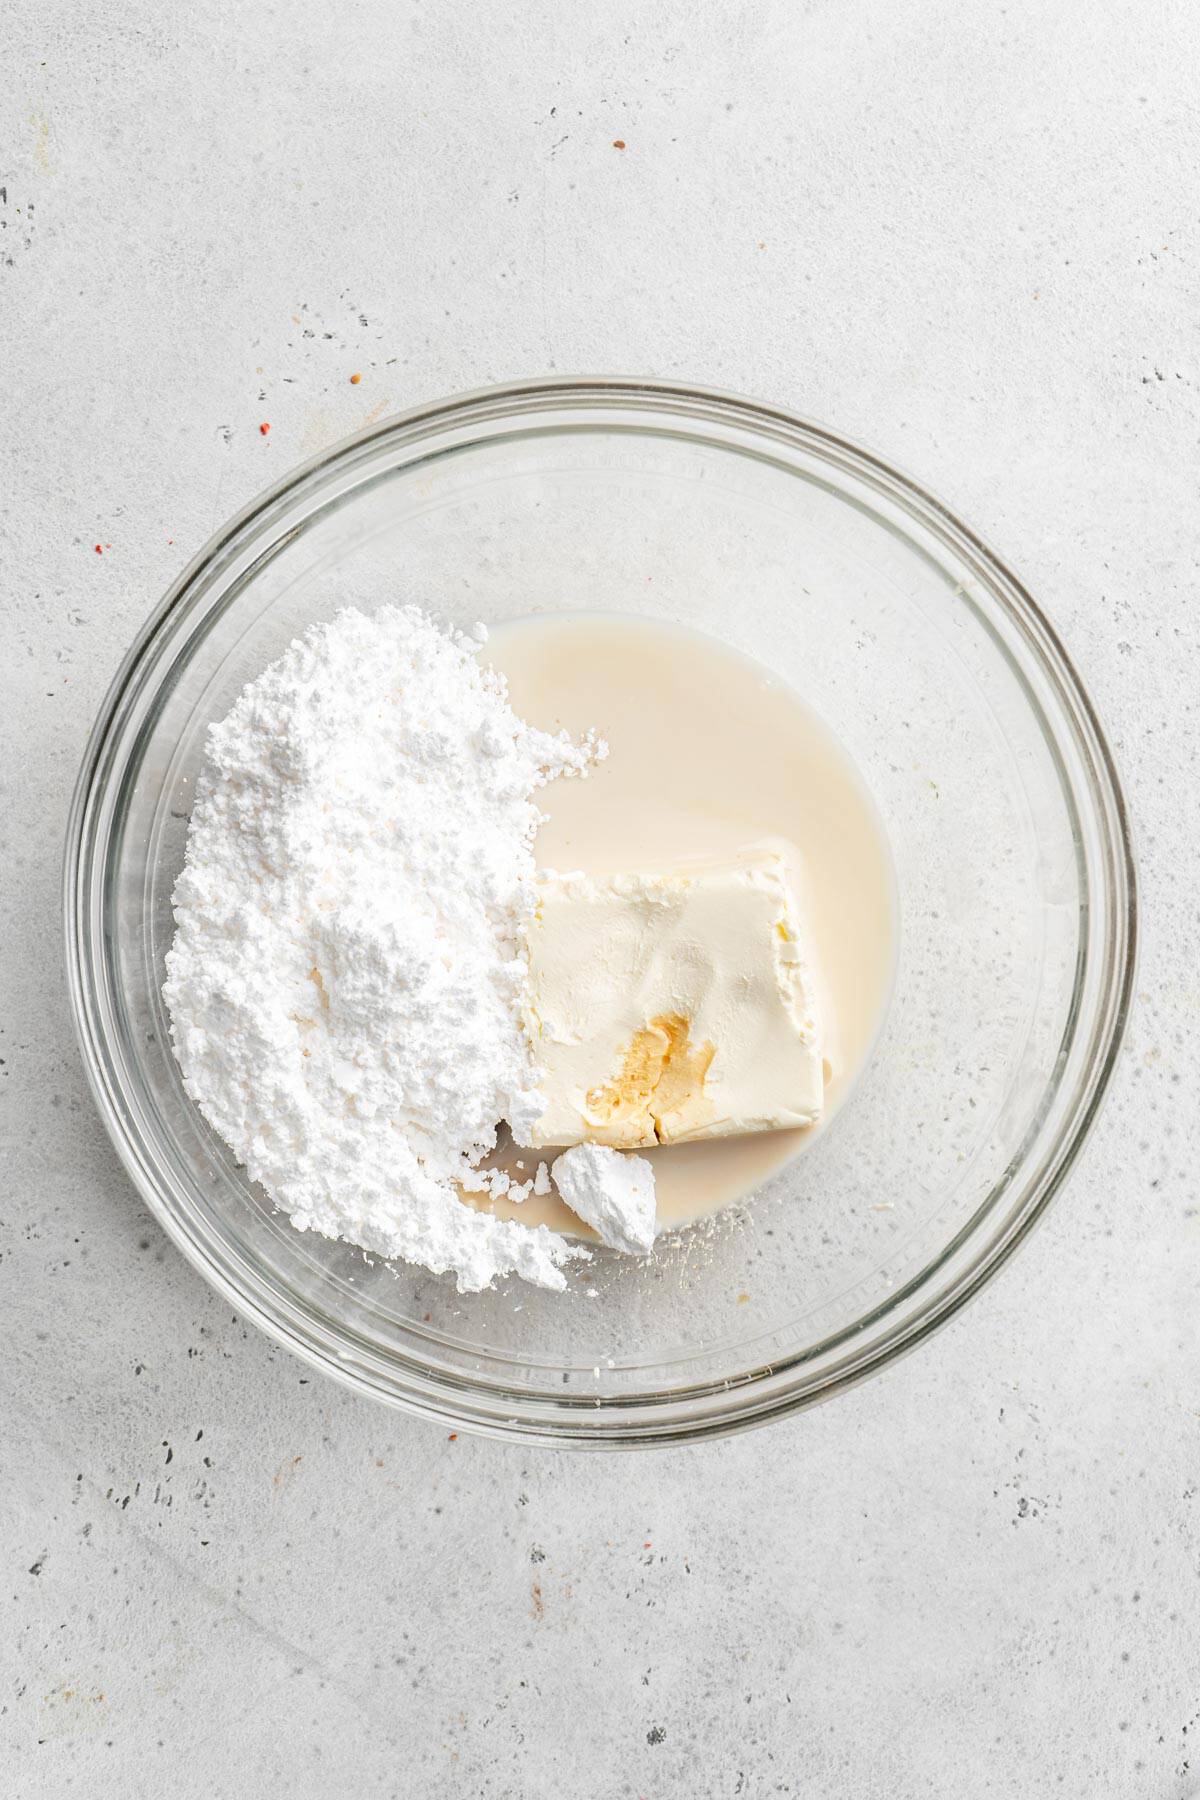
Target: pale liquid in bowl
{"x":708,"y":753}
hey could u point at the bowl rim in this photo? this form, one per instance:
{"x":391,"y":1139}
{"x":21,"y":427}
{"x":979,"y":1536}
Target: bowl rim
{"x":784,"y":1386}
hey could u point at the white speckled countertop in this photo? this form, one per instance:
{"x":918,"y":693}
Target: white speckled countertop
{"x":967,"y":236}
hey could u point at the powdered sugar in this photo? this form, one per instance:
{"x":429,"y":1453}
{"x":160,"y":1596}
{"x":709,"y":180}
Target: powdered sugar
{"x":345,"y":980}
{"x":612,"y":1191}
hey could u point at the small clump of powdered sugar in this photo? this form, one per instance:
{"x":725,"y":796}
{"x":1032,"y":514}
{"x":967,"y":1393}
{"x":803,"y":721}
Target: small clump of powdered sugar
{"x":346,"y":977}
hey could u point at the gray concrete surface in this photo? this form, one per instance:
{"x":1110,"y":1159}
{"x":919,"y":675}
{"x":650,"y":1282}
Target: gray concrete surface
{"x":968,"y":235}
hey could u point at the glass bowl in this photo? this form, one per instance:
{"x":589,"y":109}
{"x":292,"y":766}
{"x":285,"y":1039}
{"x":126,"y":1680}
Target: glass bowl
{"x":967,"y":721}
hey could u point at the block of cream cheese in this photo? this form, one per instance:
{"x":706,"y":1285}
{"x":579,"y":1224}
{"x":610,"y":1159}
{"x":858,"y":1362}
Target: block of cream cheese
{"x":672,"y":1006}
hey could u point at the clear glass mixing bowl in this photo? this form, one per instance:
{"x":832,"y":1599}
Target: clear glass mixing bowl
{"x":971,"y":728}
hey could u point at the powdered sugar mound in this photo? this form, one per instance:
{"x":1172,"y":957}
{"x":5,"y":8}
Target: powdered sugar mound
{"x":345,"y":981}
